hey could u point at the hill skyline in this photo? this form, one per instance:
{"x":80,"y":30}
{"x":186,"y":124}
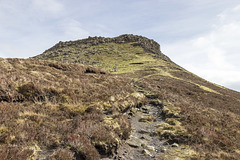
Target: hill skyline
{"x":95,"y":38}
{"x":201,"y":36}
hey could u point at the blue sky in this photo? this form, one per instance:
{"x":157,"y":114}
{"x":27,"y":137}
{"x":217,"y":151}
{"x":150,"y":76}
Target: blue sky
{"x":200,"y":35}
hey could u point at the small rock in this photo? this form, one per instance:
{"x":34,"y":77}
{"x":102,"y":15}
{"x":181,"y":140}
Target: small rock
{"x":163,"y":150}
{"x":145,"y":111}
{"x":143,"y":131}
{"x":134,"y":142}
{"x":112,"y":98}
{"x":138,"y":95}
{"x":145,"y":108}
{"x":175,"y":145}
{"x":147,"y":153}
{"x":150,"y":148}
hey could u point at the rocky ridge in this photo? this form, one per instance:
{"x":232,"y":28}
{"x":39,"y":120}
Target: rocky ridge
{"x":148,"y":44}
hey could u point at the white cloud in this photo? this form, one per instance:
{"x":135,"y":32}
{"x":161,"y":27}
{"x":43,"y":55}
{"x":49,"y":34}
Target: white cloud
{"x":220,"y":76}
{"x":52,"y":6}
{"x":213,"y":55}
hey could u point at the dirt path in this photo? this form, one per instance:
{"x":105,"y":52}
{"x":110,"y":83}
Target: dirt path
{"x":143,"y":144}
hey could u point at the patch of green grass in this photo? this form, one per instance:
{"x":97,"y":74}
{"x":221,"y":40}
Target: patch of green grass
{"x":112,"y":57}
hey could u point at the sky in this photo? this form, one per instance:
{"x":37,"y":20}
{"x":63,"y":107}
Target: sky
{"x":203,"y":36}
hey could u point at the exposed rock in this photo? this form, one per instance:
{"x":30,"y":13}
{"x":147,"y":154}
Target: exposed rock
{"x":148,"y":44}
{"x":142,"y":143}
{"x":138,"y":95}
{"x":150,"y":148}
{"x":163,"y":150}
{"x":112,"y":98}
{"x":144,"y":131}
{"x":175,"y":145}
{"x":147,"y":152}
{"x":134,"y":142}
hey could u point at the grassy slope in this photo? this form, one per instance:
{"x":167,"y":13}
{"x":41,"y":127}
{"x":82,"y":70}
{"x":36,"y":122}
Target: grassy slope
{"x":58,"y":110}
{"x":112,"y":57}
{"x":210,"y":113}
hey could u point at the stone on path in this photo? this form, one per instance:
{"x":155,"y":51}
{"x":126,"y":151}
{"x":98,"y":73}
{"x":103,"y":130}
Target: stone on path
{"x":135,"y":142}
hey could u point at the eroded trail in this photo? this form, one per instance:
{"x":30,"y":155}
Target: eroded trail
{"x":143,"y":143}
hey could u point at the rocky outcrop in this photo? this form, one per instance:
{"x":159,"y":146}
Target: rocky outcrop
{"x":147,"y":44}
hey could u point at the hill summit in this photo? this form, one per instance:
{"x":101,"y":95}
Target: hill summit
{"x":126,"y":100}
{"x":147,"y":44}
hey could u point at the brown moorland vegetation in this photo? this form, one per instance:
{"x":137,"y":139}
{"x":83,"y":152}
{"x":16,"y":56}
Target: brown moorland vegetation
{"x":55,"y":110}
{"x":210,"y":113}
{"x":212,"y":119}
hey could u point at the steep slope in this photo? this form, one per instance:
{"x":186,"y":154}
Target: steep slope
{"x":197,"y":113}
